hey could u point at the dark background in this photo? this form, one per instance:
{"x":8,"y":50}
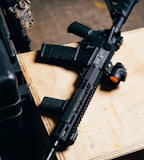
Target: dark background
{"x":52,"y":17}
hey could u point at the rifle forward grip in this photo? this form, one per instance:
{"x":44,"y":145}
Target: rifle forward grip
{"x":78,"y":29}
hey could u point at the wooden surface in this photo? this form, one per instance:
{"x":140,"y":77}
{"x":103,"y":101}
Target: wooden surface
{"x":113,"y":123}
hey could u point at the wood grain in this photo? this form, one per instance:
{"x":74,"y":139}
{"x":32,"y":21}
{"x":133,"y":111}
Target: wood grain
{"x":113,"y":123}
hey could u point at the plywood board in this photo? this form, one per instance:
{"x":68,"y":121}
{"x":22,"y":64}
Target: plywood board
{"x":113,"y":123}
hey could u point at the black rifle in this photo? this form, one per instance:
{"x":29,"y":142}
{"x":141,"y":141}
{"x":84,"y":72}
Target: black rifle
{"x":92,"y":60}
